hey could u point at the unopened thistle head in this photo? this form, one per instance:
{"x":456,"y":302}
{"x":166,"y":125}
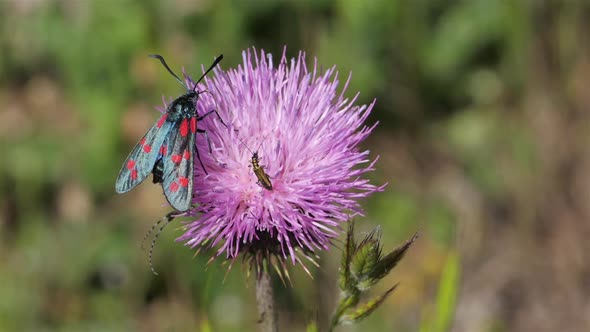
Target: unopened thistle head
{"x":306,"y":135}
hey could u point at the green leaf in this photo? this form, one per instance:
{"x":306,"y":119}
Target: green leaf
{"x":346,"y":302}
{"x":205,"y":326}
{"x":312,"y":327}
{"x":387,"y":263}
{"x":447,"y":293}
{"x":440,"y":320}
{"x":366,"y":309}
{"x":349,"y":246}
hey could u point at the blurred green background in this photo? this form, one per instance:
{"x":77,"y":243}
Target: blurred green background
{"x":484,"y":139}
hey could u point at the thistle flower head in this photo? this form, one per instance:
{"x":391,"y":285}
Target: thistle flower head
{"x":306,"y":135}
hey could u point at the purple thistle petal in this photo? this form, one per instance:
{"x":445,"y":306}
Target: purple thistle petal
{"x":307,"y":137}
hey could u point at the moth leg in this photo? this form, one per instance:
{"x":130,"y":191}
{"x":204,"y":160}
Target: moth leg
{"x":168,"y":218}
{"x":208,"y":113}
{"x":199,"y":155}
{"x":202,"y":131}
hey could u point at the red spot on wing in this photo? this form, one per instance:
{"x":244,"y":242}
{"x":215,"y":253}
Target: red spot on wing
{"x":163,"y":150}
{"x":142,"y":142}
{"x":186,"y":155}
{"x":193,"y":125}
{"x":162,"y":120}
{"x":134,"y":174}
{"x":183,"y":181}
{"x":176,"y":158}
{"x":130,"y":164}
{"x":147,"y":148}
{"x":173,"y":187}
{"x":184,"y":128}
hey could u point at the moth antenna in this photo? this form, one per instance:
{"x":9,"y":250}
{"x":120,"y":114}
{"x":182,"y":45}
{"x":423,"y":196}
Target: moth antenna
{"x":217,"y":60}
{"x":169,"y":217}
{"x":161,"y":58}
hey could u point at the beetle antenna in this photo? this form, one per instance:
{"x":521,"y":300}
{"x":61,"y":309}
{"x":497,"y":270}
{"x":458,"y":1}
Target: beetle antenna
{"x":263,"y":139}
{"x":258,"y":145}
{"x":245,"y":145}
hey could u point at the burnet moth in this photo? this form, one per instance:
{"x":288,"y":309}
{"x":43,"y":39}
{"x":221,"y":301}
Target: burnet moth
{"x":167,"y":148}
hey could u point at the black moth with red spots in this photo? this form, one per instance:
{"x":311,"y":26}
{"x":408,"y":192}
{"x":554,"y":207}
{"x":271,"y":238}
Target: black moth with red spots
{"x":167,"y":148}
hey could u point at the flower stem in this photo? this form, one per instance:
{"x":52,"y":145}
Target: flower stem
{"x":346,"y":301}
{"x":265,"y":300}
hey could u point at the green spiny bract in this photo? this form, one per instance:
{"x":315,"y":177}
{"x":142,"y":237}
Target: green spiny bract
{"x":362,"y":266}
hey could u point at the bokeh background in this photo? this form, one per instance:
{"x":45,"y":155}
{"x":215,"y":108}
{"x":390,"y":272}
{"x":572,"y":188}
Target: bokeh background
{"x":484,"y":138}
